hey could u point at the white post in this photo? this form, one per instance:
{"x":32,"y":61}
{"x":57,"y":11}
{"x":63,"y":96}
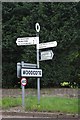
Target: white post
{"x":38,"y":79}
{"x":23,"y":90}
{"x":23,"y":96}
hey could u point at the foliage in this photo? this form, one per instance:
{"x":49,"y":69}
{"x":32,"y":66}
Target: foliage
{"x":69,"y":85}
{"x":59,"y":22}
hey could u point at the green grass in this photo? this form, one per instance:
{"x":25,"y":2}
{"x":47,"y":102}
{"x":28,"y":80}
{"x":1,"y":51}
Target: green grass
{"x":0,"y":103}
{"x":49,"y":104}
{"x":53,"y":104}
{"x":8,"y":102}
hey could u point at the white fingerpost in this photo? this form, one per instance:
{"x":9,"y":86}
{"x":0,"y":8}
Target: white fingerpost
{"x":38,"y":79}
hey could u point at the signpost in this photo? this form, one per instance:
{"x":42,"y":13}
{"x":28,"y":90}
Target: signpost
{"x":47,"y":45}
{"x":31,"y":72}
{"x":27,"y":41}
{"x":47,"y":55}
{"x":23,"y":83}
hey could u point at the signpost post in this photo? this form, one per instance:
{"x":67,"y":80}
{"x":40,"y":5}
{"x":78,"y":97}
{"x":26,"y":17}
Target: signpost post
{"x":38,"y":79}
{"x":23,"y":84}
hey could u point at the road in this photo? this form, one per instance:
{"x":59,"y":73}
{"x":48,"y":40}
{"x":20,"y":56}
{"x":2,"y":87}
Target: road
{"x":38,"y":116}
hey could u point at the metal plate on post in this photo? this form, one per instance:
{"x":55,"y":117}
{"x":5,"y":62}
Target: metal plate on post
{"x":29,"y":65}
{"x":31,"y":72}
{"x":27,"y":41}
{"x":23,"y":81}
{"x":47,"y":45}
{"x":47,"y":55}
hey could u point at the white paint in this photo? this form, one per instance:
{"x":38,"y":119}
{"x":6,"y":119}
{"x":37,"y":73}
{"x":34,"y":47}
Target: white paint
{"x":37,"y":27}
{"x":27,"y":41}
{"x":29,"y":65}
{"x":47,"y":45}
{"x":47,"y":55}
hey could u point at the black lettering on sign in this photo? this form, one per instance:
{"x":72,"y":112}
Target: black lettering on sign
{"x":31,"y":72}
{"x":39,"y":72}
{"x":24,"y":72}
{"x":36,"y":72}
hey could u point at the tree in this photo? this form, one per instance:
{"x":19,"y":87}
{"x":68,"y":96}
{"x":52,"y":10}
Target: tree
{"x":59,"y":22}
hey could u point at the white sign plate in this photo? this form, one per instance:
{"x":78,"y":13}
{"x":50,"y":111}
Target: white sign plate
{"x":27,"y":41}
{"x":31,"y":72}
{"x":29,"y":65}
{"x":47,"y":55}
{"x":47,"y":45}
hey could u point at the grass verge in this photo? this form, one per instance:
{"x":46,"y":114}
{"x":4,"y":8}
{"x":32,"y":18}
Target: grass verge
{"x":8,"y":102}
{"x":47,"y":104}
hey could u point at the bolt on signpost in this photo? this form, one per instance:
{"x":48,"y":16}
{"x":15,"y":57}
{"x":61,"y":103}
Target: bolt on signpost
{"x":38,"y":79}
